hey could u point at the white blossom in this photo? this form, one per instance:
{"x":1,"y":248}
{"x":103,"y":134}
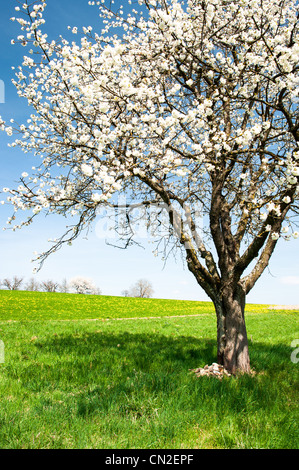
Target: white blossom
{"x":96,"y":197}
{"x":86,"y":169}
{"x":275,"y":236}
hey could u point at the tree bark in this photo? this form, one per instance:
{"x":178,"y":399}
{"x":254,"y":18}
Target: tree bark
{"x":232,"y":342}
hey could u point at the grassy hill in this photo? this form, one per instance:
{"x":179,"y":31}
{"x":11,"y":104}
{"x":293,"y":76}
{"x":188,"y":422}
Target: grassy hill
{"x":24,"y":305}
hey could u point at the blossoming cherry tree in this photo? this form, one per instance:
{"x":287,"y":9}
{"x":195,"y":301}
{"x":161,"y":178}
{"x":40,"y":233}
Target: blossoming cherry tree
{"x":187,"y":104}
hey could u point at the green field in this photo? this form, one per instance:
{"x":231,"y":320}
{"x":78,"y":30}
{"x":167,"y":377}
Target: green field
{"x":23,"y":305}
{"x":126,"y":384}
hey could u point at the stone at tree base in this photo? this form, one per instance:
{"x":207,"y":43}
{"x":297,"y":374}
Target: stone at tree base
{"x":214,"y":370}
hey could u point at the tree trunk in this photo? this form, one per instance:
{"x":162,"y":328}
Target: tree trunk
{"x":232,"y":339}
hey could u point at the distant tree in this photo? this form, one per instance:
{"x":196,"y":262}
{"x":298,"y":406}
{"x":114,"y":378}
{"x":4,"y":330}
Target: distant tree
{"x":49,"y":286}
{"x":82,"y":285}
{"x":64,"y":287}
{"x":143,"y":288}
{"x":32,"y":285}
{"x":125,"y":293}
{"x":12,"y":284}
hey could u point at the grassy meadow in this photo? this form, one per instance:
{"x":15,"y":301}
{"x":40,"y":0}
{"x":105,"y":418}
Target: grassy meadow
{"x":116,"y":384}
{"x":23,"y":305}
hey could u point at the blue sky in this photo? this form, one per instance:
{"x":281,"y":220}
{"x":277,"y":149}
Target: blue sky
{"x":111,"y":269}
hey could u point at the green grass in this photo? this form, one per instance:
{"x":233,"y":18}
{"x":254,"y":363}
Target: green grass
{"x":127,"y":384}
{"x":24,"y":305}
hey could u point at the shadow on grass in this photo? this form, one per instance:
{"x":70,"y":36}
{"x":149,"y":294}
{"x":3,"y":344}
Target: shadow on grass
{"x":155,"y":362}
{"x":124,"y":380}
{"x":146,"y":352}
{"x":153,"y":352}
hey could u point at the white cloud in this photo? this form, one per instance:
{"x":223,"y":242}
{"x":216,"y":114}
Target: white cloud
{"x":291,"y":280}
